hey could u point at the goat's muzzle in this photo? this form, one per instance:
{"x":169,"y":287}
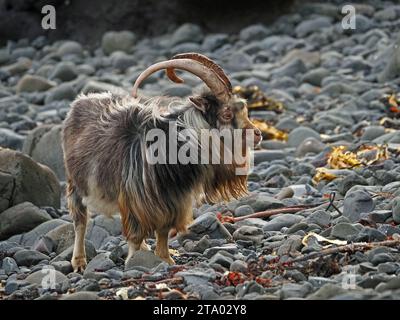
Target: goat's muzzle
{"x":252,"y":136}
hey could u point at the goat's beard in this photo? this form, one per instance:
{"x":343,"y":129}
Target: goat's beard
{"x":227,"y":181}
{"x":224,"y":126}
{"x":224,"y":184}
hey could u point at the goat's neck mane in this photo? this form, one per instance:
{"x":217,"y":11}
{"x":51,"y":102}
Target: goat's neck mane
{"x":221,"y":182}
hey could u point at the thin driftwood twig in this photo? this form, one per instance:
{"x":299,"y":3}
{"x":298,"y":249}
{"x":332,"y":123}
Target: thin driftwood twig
{"x":271,"y":212}
{"x":357,"y":246}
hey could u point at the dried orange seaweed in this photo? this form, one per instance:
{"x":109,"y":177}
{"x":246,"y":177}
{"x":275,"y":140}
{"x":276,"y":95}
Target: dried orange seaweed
{"x":341,"y":158}
{"x":256,"y":99}
{"x":270,"y":132}
{"x":323,"y":174}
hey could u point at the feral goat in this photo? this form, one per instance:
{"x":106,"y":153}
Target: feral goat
{"x":105,"y":147}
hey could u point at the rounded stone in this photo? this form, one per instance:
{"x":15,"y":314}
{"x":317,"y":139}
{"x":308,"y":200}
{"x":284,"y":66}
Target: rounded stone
{"x":357,"y":202}
{"x":21,"y":218}
{"x":143,"y":258}
{"x":243,"y":210}
{"x":48,"y":276}
{"x":32,"y":83}
{"x":29,"y":257}
{"x":396,"y":210}
{"x":238,"y":266}
{"x":81,"y":295}
{"x":298,"y":135}
{"x":117,"y":41}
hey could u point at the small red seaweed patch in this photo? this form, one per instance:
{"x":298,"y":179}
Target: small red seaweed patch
{"x":287,"y":264}
{"x":233,"y":278}
{"x":264,"y":281}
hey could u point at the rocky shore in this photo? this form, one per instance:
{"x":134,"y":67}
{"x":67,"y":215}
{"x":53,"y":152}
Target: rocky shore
{"x":329,"y":161}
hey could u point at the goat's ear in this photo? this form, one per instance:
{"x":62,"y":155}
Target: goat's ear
{"x":200,"y":103}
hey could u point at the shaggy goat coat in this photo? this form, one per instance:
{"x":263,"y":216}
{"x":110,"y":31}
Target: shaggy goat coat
{"x":104,"y":142}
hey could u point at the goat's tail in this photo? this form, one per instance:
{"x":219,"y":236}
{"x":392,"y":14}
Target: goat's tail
{"x":135,"y":226}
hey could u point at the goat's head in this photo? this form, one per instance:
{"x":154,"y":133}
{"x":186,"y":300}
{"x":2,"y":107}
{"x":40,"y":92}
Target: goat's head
{"x":221,"y":108}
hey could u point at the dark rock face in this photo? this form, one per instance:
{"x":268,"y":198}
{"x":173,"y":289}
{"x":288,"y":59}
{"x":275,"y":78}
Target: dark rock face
{"x":33,"y":182}
{"x":20,"y":218}
{"x":144,"y":17}
{"x":44,"y":145}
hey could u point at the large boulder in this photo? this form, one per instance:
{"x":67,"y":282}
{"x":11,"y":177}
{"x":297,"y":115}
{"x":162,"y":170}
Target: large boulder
{"x":7,"y":188}
{"x":21,"y":218}
{"x":31,"y":181}
{"x":43,"y":144}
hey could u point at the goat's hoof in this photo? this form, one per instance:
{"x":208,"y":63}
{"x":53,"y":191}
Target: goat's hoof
{"x":169,"y":260}
{"x":145,"y":247}
{"x":78,"y":264}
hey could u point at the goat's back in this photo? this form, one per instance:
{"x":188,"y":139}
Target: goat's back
{"x":97,"y":134}
{"x":104,"y":152}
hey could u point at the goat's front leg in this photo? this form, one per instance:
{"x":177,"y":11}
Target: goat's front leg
{"x":162,"y":246}
{"x":79,"y":217}
{"x":79,"y":254}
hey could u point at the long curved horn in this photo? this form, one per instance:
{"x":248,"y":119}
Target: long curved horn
{"x":205,"y":61}
{"x":209,"y":77}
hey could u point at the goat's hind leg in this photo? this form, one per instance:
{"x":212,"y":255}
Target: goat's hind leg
{"x":79,"y":216}
{"x":162,"y":249}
